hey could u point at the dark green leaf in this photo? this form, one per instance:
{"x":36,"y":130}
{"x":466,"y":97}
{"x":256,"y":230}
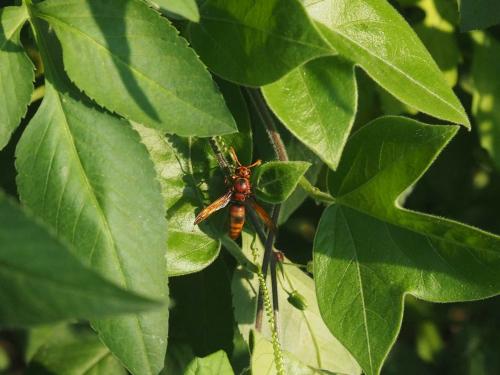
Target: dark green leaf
{"x":486,"y":93}
{"x":86,"y":173}
{"x":275,"y":181}
{"x":16,"y":72}
{"x":203,"y":314}
{"x":132,"y":61}
{"x":41,"y":282}
{"x":373,"y":35}
{"x":317,"y":103}
{"x":214,"y":364}
{"x":369,"y":252}
{"x":189,"y":249}
{"x":185,"y":8}
{"x":255,"y":42}
{"x":478,"y":14}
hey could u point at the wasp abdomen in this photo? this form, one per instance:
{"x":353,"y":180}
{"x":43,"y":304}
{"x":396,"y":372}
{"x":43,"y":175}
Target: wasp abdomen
{"x":237,"y":214}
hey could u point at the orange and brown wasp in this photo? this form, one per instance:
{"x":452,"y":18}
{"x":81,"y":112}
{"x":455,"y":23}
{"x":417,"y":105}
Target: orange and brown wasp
{"x":238,"y":194}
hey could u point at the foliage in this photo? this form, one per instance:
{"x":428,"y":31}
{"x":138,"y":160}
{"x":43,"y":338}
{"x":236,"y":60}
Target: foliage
{"x":117,"y":119}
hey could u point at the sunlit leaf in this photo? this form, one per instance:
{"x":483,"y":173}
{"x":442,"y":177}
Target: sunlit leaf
{"x":255,"y":42}
{"x":16,"y":72}
{"x":369,"y":252}
{"x":132,"y":61}
{"x":213,"y":364}
{"x":185,"y":8}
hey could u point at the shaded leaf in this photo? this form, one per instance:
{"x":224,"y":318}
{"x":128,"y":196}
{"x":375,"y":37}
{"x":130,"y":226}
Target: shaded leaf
{"x":185,"y":8}
{"x":369,"y":252}
{"x":374,"y":35}
{"x":214,"y":364}
{"x":86,"y":173}
{"x":189,"y":249}
{"x":303,"y":334}
{"x":275,"y":181}
{"x":255,"y":42}
{"x":132,"y":61}
{"x":486,"y":93}
{"x":478,"y":14}
{"x":70,"y":352}
{"x":41,"y":282}
{"x":317,"y":103}
{"x":16,"y":72}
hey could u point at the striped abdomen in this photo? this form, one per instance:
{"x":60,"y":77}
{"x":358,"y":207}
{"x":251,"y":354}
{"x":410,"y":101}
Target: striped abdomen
{"x":237,"y":214}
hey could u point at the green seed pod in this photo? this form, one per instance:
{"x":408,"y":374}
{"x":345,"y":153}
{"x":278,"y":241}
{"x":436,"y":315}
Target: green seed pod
{"x":297,"y":300}
{"x":310,"y":266}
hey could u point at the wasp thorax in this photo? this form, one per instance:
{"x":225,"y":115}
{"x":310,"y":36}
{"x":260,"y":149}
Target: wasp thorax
{"x":241,"y":185}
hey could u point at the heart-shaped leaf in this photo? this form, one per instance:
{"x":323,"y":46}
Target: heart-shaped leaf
{"x":36,"y":267}
{"x":255,"y":42}
{"x":16,"y":72}
{"x":275,"y":181}
{"x":132,"y":61}
{"x":86,"y":173}
{"x":214,"y":364}
{"x":369,"y":252}
{"x":375,"y":36}
{"x":317,"y":103}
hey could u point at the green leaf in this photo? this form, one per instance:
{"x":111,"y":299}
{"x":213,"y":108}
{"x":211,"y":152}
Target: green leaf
{"x":375,"y":36}
{"x":275,"y":181}
{"x":214,"y":364}
{"x":369,"y":252}
{"x":255,"y":42}
{"x":35,"y":267}
{"x":486,"y":93}
{"x":478,"y":14}
{"x":303,"y":334}
{"x":69,"y":352}
{"x":185,"y":8}
{"x":189,"y":249}
{"x":16,"y":72}
{"x":317,"y":103}
{"x":132,"y":61}
{"x":86,"y":173}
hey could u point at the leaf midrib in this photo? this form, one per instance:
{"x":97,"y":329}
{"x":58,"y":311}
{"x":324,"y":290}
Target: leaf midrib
{"x":100,"y":213}
{"x":74,"y":30}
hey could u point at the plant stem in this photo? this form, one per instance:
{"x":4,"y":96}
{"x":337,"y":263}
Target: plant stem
{"x":314,"y":192}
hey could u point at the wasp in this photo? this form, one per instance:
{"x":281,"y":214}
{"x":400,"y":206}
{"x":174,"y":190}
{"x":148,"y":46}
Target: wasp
{"x":238,"y":194}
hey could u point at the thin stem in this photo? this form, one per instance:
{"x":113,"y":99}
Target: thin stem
{"x":314,"y":192}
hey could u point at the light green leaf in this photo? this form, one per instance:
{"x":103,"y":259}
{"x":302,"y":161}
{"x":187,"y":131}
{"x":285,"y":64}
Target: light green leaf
{"x":263,"y":359}
{"x":369,"y":252}
{"x":70,"y":352}
{"x":255,"y":42}
{"x":303,"y":334}
{"x":185,"y":8}
{"x":373,"y":34}
{"x":16,"y":72}
{"x":275,"y":181}
{"x":317,"y":103}
{"x":86,"y":173}
{"x":132,"y":61}
{"x":478,"y":14}
{"x":214,"y":364}
{"x":486,"y":93}
{"x":189,"y":249}
{"x":41,"y":282}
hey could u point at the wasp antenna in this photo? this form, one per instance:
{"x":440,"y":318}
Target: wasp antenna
{"x":233,"y":154}
{"x":255,"y":164}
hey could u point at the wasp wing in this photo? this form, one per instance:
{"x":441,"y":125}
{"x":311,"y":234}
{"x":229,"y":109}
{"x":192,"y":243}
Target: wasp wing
{"x":264,"y":216}
{"x":214,"y":206}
